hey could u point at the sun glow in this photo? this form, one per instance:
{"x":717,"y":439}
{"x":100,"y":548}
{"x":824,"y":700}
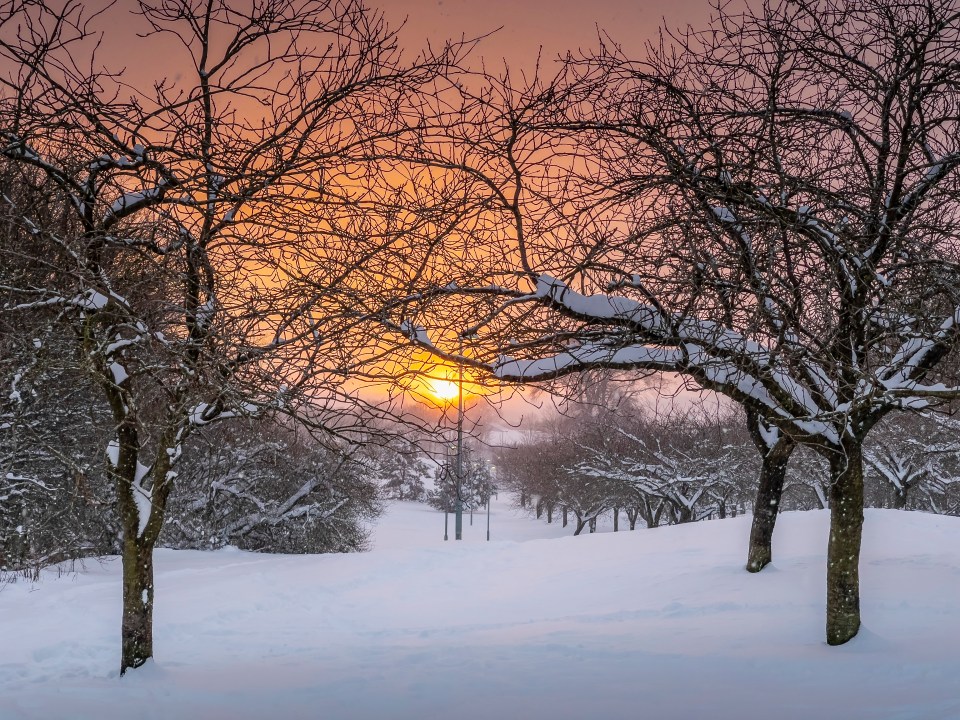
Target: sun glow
{"x":443,"y":389}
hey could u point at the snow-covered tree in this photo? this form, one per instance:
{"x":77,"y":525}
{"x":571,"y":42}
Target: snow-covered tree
{"x":680,"y":469}
{"x":401,"y":470}
{"x":223,"y":233}
{"x":768,"y":207}
{"x":475,"y":485}
{"x":55,"y":501}
{"x":913,"y":462}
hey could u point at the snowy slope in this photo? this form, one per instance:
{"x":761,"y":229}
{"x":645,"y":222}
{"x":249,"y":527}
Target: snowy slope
{"x":651,"y":624}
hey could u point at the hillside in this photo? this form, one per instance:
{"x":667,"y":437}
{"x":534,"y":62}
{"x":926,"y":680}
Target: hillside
{"x":656,"y":624}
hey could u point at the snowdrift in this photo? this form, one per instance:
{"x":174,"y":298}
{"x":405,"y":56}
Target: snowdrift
{"x":650,"y":624}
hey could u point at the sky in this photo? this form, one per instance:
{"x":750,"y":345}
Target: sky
{"x":554,"y":25}
{"x":521,"y":30}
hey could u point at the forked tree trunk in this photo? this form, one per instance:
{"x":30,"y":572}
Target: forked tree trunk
{"x":900,"y":498}
{"x":843,"y":551}
{"x":773,"y":472}
{"x":137,"y":625}
{"x":775,"y":450}
{"x":139,"y":541}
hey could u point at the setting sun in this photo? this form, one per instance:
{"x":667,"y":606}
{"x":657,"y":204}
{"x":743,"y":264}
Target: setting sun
{"x":443,"y":389}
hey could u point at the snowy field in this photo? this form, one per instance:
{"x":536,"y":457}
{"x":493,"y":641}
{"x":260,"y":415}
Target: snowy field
{"x":649,"y":624}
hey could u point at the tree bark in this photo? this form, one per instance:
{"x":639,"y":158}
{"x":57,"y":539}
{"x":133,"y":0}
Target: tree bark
{"x":565,"y":512}
{"x":616,"y":519}
{"x":843,"y":553}
{"x":136,"y":630}
{"x":900,"y":498}
{"x":773,"y":472}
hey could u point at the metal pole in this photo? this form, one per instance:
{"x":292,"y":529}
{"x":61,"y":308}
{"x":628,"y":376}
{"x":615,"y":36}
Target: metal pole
{"x":488,"y":517}
{"x":458,"y":507}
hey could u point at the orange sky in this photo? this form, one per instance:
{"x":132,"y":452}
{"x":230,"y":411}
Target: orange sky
{"x":528,"y":28}
{"x":557,"y":25}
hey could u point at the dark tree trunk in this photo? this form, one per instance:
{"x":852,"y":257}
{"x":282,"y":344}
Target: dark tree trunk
{"x":773,"y":472}
{"x":139,"y":540}
{"x":581,"y":524}
{"x":565,"y":512}
{"x":616,"y":519}
{"x":539,"y":509}
{"x":136,"y":630}
{"x":523,"y":498}
{"x":843,"y":553}
{"x":593,"y":525}
{"x":900,"y":498}
{"x":549,"y":513}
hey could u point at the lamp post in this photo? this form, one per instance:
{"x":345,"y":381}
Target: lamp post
{"x":458,"y":504}
{"x":488,"y":516}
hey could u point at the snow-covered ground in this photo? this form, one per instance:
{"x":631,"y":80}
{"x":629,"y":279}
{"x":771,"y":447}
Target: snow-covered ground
{"x":649,"y":624}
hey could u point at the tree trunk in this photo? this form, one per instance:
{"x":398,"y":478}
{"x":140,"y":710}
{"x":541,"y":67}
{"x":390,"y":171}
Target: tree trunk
{"x":843,"y":553}
{"x":900,"y":498}
{"x":549,"y":513}
{"x":593,"y":525}
{"x":616,"y":519}
{"x":775,"y":450}
{"x":581,"y":524}
{"x":539,"y":509}
{"x":565,"y":511}
{"x":657,"y":514}
{"x":136,"y":630}
{"x":773,"y":472}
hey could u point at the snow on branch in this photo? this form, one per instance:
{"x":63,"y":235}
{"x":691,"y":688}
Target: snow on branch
{"x":716,"y":356}
{"x":586,"y":356}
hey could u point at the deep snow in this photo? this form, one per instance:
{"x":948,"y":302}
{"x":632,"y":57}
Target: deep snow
{"x":654,"y":624}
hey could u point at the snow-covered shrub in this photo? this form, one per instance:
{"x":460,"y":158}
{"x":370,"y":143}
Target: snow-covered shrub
{"x":401,"y":470}
{"x":256,"y":485}
{"x":476,"y":486}
{"x":55,"y":501}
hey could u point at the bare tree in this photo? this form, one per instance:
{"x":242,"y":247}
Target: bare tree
{"x":683,"y":467}
{"x":225,"y":232}
{"x":913,"y":463}
{"x":768,"y":207}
